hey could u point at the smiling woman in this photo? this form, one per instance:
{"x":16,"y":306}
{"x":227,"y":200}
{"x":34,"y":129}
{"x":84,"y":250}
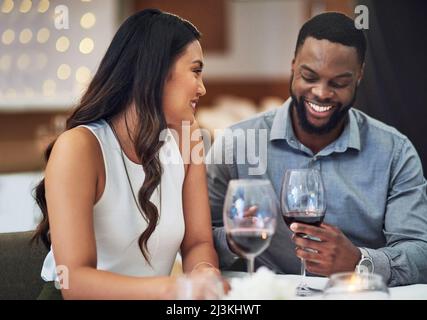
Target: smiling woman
{"x":116,"y":209}
{"x":184,"y":86}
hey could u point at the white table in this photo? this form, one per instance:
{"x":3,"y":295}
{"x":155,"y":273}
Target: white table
{"x":411,"y":292}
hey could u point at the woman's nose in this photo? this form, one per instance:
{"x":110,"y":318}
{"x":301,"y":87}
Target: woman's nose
{"x":201,"y":90}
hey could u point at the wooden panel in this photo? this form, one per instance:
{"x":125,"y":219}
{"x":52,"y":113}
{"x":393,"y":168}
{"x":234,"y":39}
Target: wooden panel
{"x":254,"y":89}
{"x":209,"y":16}
{"x":344,"y":6}
{"x":24,"y":136}
{"x":23,"y":139}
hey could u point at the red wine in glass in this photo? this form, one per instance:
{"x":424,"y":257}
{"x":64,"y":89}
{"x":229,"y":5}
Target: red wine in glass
{"x":303,"y":200}
{"x":249,"y":215}
{"x":307,"y":217}
{"x":249,"y":241}
{"x":312,"y":218}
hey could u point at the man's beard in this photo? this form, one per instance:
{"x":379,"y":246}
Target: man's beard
{"x":339,"y":114}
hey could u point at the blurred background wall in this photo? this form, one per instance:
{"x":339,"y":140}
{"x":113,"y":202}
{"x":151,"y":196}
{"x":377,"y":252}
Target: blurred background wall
{"x":50,"y":49}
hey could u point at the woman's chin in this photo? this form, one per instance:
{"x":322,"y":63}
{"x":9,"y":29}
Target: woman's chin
{"x":183,"y":122}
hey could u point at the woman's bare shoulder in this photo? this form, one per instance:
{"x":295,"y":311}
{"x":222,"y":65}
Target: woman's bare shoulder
{"x":76,"y":146}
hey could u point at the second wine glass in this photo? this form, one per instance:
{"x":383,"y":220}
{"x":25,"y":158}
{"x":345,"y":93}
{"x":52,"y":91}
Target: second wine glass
{"x":250,"y":211}
{"x":303,"y":200}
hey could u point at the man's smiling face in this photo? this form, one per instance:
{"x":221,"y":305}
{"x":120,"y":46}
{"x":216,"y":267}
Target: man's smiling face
{"x":324,"y":80}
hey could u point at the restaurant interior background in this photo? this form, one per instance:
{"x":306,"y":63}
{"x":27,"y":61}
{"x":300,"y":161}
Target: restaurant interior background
{"x":248,"y":47}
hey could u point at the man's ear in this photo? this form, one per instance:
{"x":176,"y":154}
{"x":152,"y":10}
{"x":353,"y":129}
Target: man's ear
{"x":293,"y":65}
{"x":362,"y":72}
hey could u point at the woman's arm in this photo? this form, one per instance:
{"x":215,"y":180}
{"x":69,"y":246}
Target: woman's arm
{"x":197,"y":248}
{"x":72,"y":188}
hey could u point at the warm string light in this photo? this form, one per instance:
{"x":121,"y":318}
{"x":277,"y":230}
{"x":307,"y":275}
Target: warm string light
{"x":83,"y":75}
{"x":62,"y":44}
{"x":41,"y":61}
{"x":8,"y":36}
{"x":23,"y":61}
{"x":7,"y":6}
{"x":43,"y":35}
{"x":25,"y":36}
{"x":43,"y":6}
{"x":28,"y":49}
{"x":25,"y":6}
{"x":63,"y":72}
{"x":88,"y":20}
{"x":86,"y":46}
{"x":49,"y":87}
{"x":5,"y":62}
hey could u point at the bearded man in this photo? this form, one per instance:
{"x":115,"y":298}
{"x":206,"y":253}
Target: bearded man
{"x":376,"y":214}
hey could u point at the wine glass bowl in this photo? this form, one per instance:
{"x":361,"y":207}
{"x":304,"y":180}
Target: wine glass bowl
{"x":302,"y":200}
{"x":303,"y":197}
{"x":250,"y":211}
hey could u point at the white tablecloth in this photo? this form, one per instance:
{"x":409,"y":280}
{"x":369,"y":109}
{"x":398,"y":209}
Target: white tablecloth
{"x":411,"y":292}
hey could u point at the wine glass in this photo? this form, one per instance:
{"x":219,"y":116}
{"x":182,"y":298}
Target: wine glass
{"x":249,"y":213}
{"x":356,"y":286}
{"x":303,"y":201}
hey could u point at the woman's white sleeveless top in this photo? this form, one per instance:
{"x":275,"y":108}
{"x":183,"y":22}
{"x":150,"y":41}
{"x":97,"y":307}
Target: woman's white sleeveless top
{"x":118,"y":223}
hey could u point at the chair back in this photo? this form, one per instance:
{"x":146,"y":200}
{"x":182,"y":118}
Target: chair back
{"x":20,"y":266}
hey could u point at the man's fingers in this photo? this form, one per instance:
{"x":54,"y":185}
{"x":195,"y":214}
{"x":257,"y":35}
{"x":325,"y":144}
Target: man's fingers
{"x":307,"y":243}
{"x":251,"y":211}
{"x":307,"y":229}
{"x":308,"y":256}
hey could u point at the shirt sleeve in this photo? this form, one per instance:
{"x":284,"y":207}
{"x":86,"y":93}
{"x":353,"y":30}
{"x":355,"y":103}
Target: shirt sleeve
{"x":404,"y":260}
{"x":220,"y":172}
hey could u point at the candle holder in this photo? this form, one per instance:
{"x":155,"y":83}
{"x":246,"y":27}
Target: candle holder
{"x":356,"y":286}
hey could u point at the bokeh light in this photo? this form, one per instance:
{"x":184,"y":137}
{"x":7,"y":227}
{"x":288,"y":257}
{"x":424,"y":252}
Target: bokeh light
{"x":23,"y":61}
{"x":10,"y":93}
{"x":88,"y":20}
{"x":41,"y":61}
{"x":63,"y":72}
{"x":7,"y":6}
{"x":25,"y":6}
{"x":25,"y":36}
{"x":5,"y":62}
{"x":8,"y":36}
{"x":49,"y":88}
{"x":62,"y":44}
{"x":83,"y":75}
{"x":43,"y":35}
{"x":43,"y":6}
{"x":86,"y":46}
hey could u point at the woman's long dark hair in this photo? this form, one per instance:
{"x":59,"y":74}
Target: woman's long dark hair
{"x":133,"y":70}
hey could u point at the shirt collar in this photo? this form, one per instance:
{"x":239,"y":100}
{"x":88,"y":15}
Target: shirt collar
{"x":354,"y":131}
{"x":282,"y":126}
{"x":282,"y":129}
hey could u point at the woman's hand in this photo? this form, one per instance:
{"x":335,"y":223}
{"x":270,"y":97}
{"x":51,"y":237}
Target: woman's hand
{"x":208,"y":269}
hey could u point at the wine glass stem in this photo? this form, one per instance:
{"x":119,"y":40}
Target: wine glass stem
{"x":251,"y":265}
{"x":303,"y":270}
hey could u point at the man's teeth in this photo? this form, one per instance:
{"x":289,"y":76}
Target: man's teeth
{"x":318,"y":108}
{"x":193,"y":105}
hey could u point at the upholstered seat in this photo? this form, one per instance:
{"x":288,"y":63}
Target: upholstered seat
{"x":20,"y":266}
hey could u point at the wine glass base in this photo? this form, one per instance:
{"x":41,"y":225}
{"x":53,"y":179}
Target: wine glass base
{"x":306,"y":291}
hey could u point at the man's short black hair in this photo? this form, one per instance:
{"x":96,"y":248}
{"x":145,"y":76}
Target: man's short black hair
{"x":335,"y":27}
